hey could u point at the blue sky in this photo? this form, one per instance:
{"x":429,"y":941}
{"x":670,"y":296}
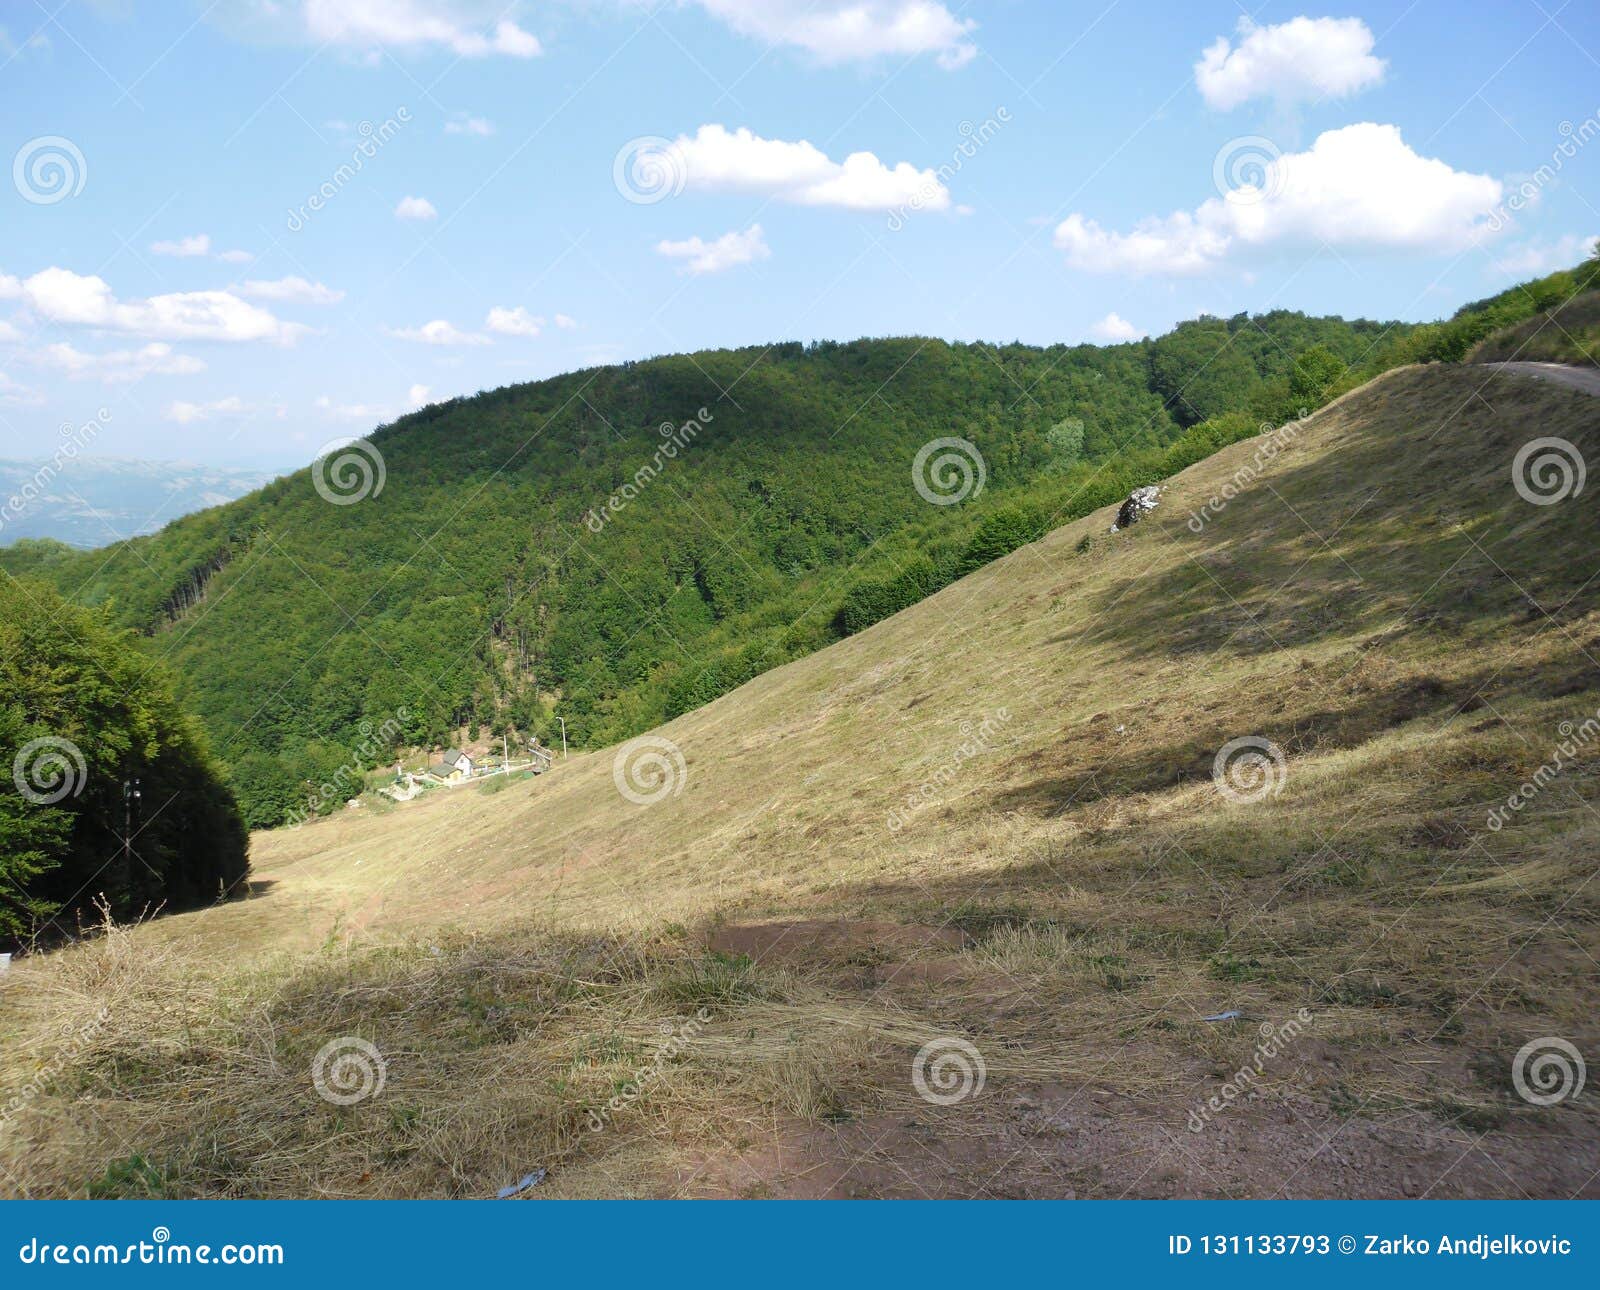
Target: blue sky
{"x":545,"y":186}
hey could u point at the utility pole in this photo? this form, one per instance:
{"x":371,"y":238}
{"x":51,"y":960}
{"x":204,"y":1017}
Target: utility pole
{"x":130,"y":795}
{"x":563,"y":722}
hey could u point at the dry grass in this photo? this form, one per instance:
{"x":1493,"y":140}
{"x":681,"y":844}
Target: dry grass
{"x":1072,"y":901}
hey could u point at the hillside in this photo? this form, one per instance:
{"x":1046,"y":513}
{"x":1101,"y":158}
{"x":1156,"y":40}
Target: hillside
{"x":992,"y":820}
{"x":622,"y":544}
{"x":606,"y":550}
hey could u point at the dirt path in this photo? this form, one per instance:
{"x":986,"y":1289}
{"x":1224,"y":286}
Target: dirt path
{"x":1586,"y":379}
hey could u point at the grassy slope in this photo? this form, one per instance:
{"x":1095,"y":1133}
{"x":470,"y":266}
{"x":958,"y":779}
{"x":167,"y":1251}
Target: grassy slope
{"x":473,"y":589}
{"x":1568,"y":333}
{"x":1077,"y":896}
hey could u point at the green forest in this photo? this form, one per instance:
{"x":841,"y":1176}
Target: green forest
{"x":111,"y":800}
{"x":622,"y":544}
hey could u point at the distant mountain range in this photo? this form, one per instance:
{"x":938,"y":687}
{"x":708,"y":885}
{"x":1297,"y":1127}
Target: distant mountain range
{"x":93,"y":501}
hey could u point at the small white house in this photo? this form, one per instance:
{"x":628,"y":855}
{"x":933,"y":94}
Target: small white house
{"x":453,"y":765}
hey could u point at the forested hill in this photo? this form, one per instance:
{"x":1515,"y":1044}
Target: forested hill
{"x":621,"y":544}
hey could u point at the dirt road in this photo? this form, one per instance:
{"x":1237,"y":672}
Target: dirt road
{"x":1586,"y":379}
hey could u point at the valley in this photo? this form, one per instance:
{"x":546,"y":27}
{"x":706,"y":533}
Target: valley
{"x":1180,"y":860}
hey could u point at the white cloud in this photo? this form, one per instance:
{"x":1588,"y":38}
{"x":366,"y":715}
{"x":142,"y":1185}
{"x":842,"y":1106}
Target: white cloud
{"x":62,"y":296}
{"x":1535,"y":259}
{"x":415,"y":208}
{"x":185,"y":247}
{"x":198,"y":246}
{"x":8,"y":331}
{"x":437,"y":332}
{"x":565,"y":323}
{"x":727,"y":252}
{"x":1115,"y":327}
{"x":117,"y":365}
{"x":513,"y":322}
{"x":15,"y":392}
{"x":290,"y":288}
{"x":418,"y":396}
{"x":742,"y":161}
{"x":1359,"y":188}
{"x":351,"y":411}
{"x":463,"y":124}
{"x":186,"y":413}
{"x":9,"y":47}
{"x":838,"y":31}
{"x":414,"y":25}
{"x":1300,"y":60}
